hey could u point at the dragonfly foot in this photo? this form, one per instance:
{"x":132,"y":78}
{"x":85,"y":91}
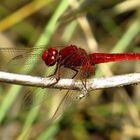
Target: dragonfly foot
{"x":52,"y":77}
{"x":81,"y":96}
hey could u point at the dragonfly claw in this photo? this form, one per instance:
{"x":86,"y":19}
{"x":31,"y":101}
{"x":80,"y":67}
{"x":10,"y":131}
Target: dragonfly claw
{"x":52,"y":77}
{"x":81,"y":96}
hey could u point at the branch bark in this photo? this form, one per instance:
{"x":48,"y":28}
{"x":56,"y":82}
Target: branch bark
{"x":91,"y":84}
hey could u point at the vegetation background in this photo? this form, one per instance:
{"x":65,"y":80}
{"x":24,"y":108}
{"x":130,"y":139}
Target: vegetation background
{"x":96,"y":26}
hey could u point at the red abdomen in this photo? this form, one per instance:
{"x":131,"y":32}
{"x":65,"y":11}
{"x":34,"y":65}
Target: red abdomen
{"x":97,"y":58}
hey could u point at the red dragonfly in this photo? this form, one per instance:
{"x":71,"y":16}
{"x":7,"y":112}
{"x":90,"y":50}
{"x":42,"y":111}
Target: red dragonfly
{"x":76,"y":58}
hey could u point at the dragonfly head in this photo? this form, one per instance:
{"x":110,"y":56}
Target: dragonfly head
{"x":50,"y":56}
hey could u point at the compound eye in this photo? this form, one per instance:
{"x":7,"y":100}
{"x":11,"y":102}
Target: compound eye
{"x":50,"y":56}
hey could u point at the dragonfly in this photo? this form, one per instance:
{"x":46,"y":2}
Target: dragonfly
{"x":78,"y":60}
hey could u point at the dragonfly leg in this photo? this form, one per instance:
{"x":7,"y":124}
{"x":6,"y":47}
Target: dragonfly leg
{"x":55,"y":75}
{"x":76,"y":72}
{"x":84,"y":89}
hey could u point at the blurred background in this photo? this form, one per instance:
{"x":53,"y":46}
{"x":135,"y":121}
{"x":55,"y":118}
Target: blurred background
{"x":27,"y":28}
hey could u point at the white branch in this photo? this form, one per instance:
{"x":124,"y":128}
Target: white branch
{"x":91,"y":84}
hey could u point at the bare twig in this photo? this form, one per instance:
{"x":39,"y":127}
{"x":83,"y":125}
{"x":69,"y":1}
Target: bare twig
{"x":92,"y":84}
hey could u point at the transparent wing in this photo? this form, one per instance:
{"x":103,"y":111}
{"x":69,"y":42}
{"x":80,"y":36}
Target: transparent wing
{"x":69,"y":97}
{"x":18,"y":54}
{"x":56,"y":102}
